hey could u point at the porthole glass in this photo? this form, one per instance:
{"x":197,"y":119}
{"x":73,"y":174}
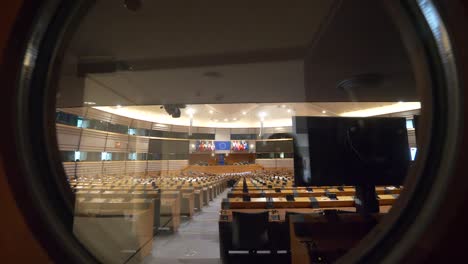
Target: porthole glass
{"x":212,"y":132}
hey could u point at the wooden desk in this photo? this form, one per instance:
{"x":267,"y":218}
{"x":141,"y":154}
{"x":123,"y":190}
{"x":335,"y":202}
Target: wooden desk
{"x":113,"y":231}
{"x":170,"y":213}
{"x":205,"y":195}
{"x":331,"y":237}
{"x":281,"y":202}
{"x":198,"y":200}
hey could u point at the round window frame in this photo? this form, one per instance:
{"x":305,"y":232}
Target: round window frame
{"x":41,"y":28}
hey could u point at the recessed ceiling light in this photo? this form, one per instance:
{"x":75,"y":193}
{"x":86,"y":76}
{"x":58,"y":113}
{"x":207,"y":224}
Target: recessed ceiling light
{"x":216,"y":120}
{"x":324,"y":112}
{"x":289,"y":110}
{"x":89,"y":103}
{"x":190,"y":111}
{"x":225,"y":119}
{"x":234,"y":119}
{"x":118,"y":106}
{"x":244,"y":113}
{"x":211,"y":111}
{"x":283,"y":106}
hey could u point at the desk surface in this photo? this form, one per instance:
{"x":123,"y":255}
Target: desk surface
{"x":226,"y":215}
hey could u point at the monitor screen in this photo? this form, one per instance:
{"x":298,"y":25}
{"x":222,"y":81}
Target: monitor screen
{"x":204,"y":146}
{"x":354,"y":151}
{"x":274,"y":145}
{"x":159,"y":146}
{"x":239,"y":145}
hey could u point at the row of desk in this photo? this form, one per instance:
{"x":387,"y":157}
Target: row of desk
{"x":278,"y":196}
{"x":117,"y":220}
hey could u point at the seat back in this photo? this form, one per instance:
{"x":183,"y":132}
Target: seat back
{"x":250,"y":230}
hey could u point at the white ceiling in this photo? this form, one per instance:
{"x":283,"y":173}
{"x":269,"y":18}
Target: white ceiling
{"x":185,"y":28}
{"x":248,"y":115}
{"x":262,"y":51}
{"x":240,"y":83}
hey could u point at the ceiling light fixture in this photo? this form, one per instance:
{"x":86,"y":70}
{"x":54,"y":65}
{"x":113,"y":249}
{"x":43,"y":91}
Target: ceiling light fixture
{"x":262,"y":116}
{"x":190,"y":112}
{"x":324,"y":112}
{"x":118,"y":106}
{"x":289,"y":110}
{"x":211,"y":112}
{"x":234,"y":119}
{"x":244,"y":113}
{"x":89,"y":103}
{"x":283,"y":106}
{"x":225,"y":119}
{"x":382,"y":110}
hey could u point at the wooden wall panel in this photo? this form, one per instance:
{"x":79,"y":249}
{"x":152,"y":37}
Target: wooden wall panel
{"x":136,"y":166}
{"x":195,"y":158}
{"x":113,"y":167}
{"x":68,"y":137}
{"x":155,"y":165}
{"x":90,"y":168}
{"x":92,"y":140}
{"x":239,"y":157}
{"x":116,"y":143}
{"x":275,"y":163}
{"x":138,"y":144}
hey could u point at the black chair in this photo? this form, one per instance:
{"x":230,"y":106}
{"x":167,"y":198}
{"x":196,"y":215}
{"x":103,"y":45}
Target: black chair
{"x":290,"y":198}
{"x":250,"y":231}
{"x":285,"y":242}
{"x":278,"y":190}
{"x":246,"y":198}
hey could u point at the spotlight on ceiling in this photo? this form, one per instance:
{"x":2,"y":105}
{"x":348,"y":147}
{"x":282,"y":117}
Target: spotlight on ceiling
{"x":173,"y":109}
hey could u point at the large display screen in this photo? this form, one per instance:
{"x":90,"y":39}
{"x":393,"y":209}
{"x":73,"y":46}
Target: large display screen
{"x":204,"y":146}
{"x":160,"y":146}
{"x":275,"y":145}
{"x":239,"y":145}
